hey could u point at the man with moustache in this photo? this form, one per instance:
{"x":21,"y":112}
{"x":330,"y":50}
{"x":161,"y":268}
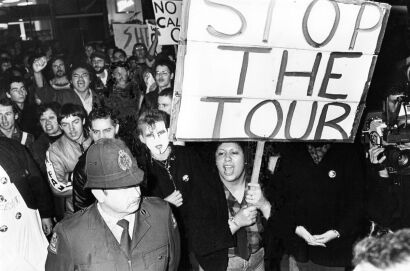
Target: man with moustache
{"x":80,"y":93}
{"x":102,"y":123}
{"x":63,"y":154}
{"x":123,"y":230}
{"x":99,"y":63}
{"x":60,"y":80}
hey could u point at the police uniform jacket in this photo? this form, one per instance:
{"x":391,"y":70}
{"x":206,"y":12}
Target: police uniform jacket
{"x":25,"y":175}
{"x":84,"y":241}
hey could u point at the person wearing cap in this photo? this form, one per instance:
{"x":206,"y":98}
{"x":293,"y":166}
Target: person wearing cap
{"x":102,"y":123}
{"x":123,"y":230}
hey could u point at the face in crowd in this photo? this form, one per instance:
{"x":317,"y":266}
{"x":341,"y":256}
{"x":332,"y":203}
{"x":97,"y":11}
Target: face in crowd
{"x":17,"y":93}
{"x":73,"y":128}
{"x":165,"y":104}
{"x":163,"y":77}
{"x":98,"y":64}
{"x":89,"y":50}
{"x":139,"y":51}
{"x":7,"y":117}
{"x":119,"y":202}
{"x":49,"y":123}
{"x":118,"y":57}
{"x":120,"y":75}
{"x":5,"y":65}
{"x":230,"y":162}
{"x":81,"y":79}
{"x":155,"y":137}
{"x":58,"y":68}
{"x":103,"y":128}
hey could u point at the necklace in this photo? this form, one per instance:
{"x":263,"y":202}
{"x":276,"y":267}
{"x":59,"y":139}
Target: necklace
{"x":167,"y":165}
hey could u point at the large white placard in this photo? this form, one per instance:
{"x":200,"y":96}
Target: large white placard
{"x":275,"y":70}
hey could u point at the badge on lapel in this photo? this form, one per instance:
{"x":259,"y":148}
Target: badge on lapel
{"x":185,"y":178}
{"x":332,"y":174}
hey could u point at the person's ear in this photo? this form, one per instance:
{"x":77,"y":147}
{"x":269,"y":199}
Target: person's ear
{"x":98,"y":194}
{"x":8,"y":95}
{"x":83,"y":122}
{"x":116,"y":128}
{"x":16,"y":116}
{"x":172,"y":76}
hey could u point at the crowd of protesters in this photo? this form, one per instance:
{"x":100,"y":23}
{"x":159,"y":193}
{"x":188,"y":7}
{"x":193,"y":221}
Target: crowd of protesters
{"x":84,"y":142}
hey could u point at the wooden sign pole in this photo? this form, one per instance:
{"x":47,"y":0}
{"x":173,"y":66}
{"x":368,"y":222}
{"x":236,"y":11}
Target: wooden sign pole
{"x":257,"y":162}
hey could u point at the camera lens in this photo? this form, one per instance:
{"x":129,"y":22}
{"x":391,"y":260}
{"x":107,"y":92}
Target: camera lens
{"x":403,"y":159}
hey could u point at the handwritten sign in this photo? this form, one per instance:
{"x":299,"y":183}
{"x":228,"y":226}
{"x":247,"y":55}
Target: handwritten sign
{"x":167,"y":18}
{"x":126,"y":35}
{"x":275,"y":70}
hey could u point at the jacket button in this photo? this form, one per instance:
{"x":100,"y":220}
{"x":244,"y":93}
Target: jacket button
{"x":160,"y":257}
{"x":2,"y":198}
{"x":3,"y":228}
{"x":18,"y":215}
{"x":3,"y":180}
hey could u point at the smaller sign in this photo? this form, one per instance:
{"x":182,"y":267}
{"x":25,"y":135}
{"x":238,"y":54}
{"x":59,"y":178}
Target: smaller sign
{"x":168,"y":20}
{"x":126,"y":35}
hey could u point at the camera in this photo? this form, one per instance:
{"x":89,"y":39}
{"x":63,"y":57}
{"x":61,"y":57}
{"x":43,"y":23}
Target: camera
{"x":389,"y":130}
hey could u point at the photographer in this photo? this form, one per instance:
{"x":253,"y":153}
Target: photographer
{"x":388,"y":187}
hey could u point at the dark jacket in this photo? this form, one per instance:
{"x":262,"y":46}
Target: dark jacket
{"x":320,"y":197}
{"x":185,"y":168}
{"x":39,"y":149}
{"x":84,"y":241}
{"x":388,"y":200}
{"x":150,"y":100}
{"x":23,"y":172}
{"x":82,"y":197}
{"x":28,"y":119}
{"x":207,"y":224}
{"x":63,"y":96}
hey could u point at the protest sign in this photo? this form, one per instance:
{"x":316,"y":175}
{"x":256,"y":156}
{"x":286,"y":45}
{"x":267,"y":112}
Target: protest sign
{"x":167,"y":18}
{"x":299,"y":71}
{"x":126,"y":35}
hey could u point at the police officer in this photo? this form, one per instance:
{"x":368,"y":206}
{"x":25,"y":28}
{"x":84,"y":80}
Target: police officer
{"x":24,"y":198}
{"x":122,"y":231}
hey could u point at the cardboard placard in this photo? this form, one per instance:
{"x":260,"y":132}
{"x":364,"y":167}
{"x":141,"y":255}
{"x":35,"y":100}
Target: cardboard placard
{"x":299,"y":72}
{"x":167,"y":18}
{"x":126,"y":35}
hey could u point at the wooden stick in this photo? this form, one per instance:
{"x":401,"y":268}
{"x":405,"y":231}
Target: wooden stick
{"x":257,"y":162}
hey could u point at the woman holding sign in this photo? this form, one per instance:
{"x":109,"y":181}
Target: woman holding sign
{"x":226,"y":215}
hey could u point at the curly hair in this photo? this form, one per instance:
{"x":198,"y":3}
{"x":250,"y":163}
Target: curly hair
{"x":385,"y":251}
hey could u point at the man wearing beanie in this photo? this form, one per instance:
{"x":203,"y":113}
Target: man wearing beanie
{"x":123,"y":230}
